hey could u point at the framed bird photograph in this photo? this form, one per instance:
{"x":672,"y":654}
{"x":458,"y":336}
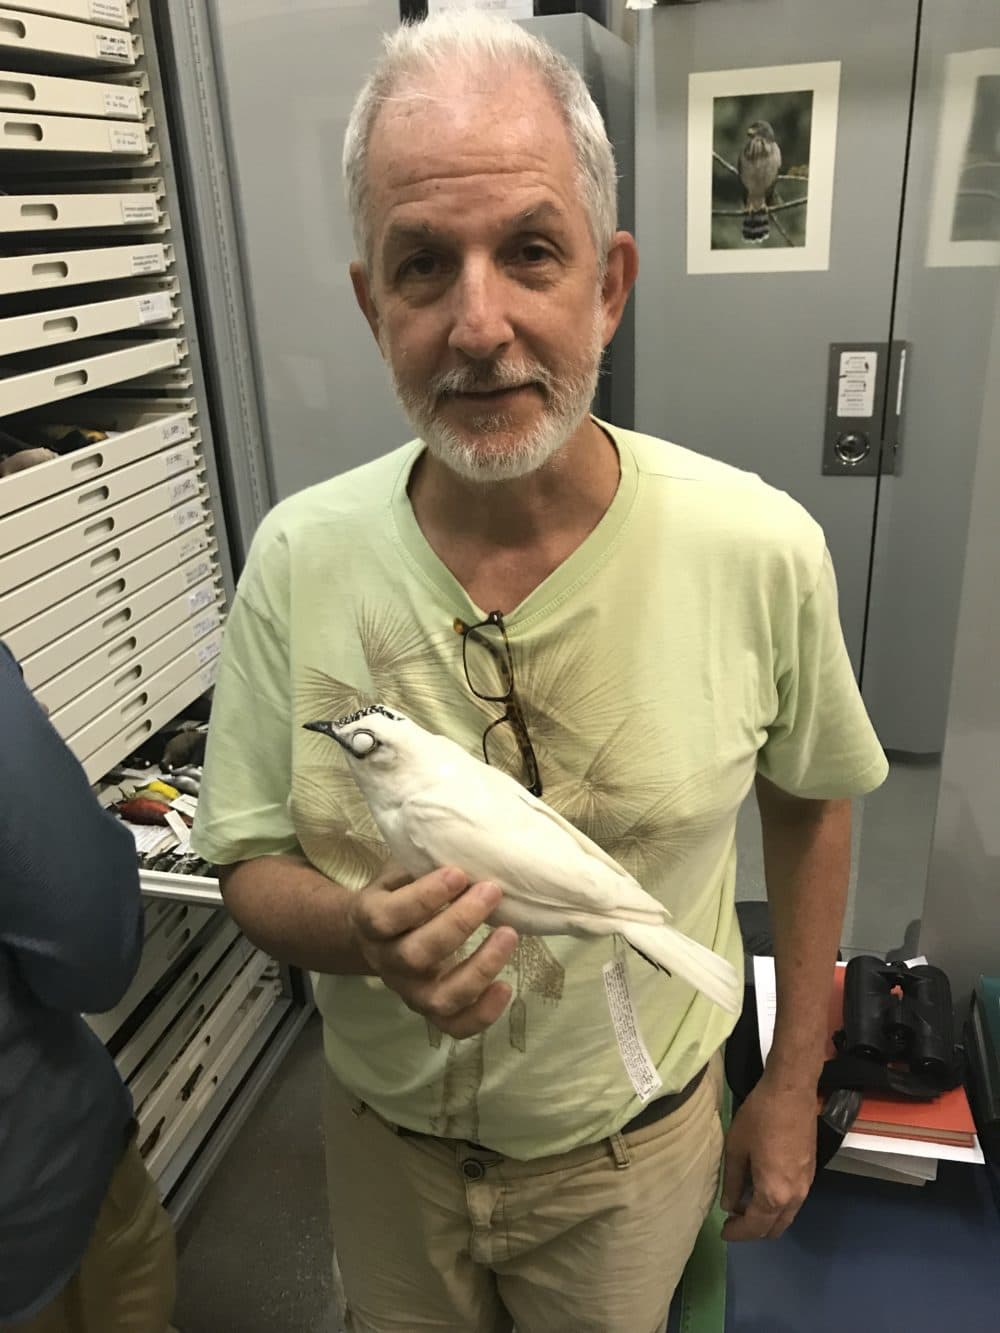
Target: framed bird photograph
{"x":964,"y":227}
{"x":761,"y":153}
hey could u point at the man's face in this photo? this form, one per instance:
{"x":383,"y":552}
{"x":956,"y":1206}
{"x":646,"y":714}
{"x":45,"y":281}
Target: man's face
{"x":485,"y":290}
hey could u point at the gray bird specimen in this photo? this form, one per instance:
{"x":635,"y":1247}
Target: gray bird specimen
{"x":436,"y":805}
{"x":759,"y":166}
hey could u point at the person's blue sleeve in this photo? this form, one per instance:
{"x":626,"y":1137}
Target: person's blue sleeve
{"x":70,"y":905}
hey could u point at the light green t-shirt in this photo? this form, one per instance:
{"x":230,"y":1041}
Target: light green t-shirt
{"x":691,"y":640}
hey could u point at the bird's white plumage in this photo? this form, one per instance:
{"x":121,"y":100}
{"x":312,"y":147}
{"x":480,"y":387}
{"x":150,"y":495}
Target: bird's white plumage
{"x":436,"y":805}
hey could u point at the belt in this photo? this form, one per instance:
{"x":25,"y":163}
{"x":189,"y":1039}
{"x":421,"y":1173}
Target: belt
{"x":649,"y":1115}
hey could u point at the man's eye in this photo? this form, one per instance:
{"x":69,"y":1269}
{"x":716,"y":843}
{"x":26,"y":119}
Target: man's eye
{"x":535,"y":254}
{"x":420,"y":266}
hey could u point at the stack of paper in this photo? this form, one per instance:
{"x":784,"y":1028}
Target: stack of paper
{"x":900,"y":1154}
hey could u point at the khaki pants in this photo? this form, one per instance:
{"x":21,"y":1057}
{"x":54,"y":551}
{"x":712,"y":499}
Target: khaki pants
{"x":432,"y":1234}
{"x":125,"y":1282}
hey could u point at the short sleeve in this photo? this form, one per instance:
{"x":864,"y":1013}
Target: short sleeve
{"x":821,"y":743}
{"x":243,"y":802}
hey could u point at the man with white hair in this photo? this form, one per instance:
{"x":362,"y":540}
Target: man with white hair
{"x":637,"y":633}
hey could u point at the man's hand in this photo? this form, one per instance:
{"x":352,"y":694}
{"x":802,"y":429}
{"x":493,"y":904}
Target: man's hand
{"x":408,"y":933}
{"x":770,"y":1161}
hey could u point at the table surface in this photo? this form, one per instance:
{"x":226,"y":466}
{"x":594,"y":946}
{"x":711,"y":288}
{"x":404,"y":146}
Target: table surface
{"x":866,"y":1255}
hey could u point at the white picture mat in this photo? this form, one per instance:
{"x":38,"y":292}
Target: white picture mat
{"x":962,"y":72}
{"x":823,"y":79}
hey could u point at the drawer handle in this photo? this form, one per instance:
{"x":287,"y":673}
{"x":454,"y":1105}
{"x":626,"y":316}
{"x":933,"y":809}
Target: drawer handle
{"x":135,"y":705}
{"x":112,"y":557}
{"x":47,"y":211}
{"x":137,"y":734}
{"x":17,"y":129}
{"x":129,"y":677}
{"x":93,"y":464}
{"x":11,"y":28}
{"x":15,"y":88}
{"x":71,"y":380}
{"x":119,"y":620}
{"x":96,"y":496}
{"x":177,"y":947}
{"x":60,"y":327}
{"x":99,"y":530}
{"x":54,"y":268}
{"x":123,"y":650}
{"x":111,"y":590}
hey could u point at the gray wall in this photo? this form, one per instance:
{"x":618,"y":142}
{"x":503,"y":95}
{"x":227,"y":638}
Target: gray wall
{"x":961,"y":924}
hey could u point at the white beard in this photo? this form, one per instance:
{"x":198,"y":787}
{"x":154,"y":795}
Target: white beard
{"x":479,"y":455}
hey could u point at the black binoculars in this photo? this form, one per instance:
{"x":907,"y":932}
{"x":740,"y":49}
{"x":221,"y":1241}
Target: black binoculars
{"x":895,"y":1013}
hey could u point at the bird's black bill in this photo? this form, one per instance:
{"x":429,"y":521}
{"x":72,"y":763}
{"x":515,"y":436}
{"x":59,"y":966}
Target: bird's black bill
{"x":325,"y":729}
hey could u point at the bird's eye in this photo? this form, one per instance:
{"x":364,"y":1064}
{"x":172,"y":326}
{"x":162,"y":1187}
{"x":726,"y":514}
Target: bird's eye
{"x":362,"y":743}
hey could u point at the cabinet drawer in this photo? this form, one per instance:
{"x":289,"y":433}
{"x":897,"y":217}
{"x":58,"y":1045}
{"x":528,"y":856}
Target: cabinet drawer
{"x":191,"y":1018}
{"x":19,"y":392}
{"x":69,"y":134}
{"x":180,"y":1075}
{"x":69,"y":268}
{"x":159,"y":1141}
{"x":98,"y":763}
{"x":162,"y":948}
{"x":50,"y":328}
{"x":221,"y":939}
{"x":66,"y":544}
{"x":82,"y":503}
{"x":78,"y":43}
{"x":34,"y":93}
{"x":106,"y":566}
{"x":138,"y":668}
{"x":97,"y":463}
{"x":136,"y":705}
{"x":59,"y":212}
{"x":170,"y":593}
{"x":171,"y":629}
{"x":112,"y":13}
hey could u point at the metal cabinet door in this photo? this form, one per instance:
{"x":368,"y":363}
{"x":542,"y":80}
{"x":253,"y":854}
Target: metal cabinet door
{"x":735,"y":364}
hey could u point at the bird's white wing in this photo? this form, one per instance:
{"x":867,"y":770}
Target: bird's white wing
{"x":524,"y":846}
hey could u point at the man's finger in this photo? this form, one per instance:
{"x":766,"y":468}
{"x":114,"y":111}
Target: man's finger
{"x":433,"y":942}
{"x":734,"y":1179}
{"x":393,"y":907}
{"x":467,"y":982}
{"x":483,"y":1014}
{"x":754,"y":1224}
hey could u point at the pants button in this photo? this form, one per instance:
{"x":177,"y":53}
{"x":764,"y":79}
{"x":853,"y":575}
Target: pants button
{"x":473,"y":1170}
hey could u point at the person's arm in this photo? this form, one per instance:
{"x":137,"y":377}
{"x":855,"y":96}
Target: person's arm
{"x":771,"y":1148}
{"x":70,"y":906}
{"x":406,"y":932}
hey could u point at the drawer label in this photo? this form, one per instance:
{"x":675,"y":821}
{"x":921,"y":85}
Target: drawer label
{"x":209,"y":651}
{"x":172,"y":432}
{"x":200,"y":598}
{"x":183,"y":518}
{"x":198,"y":572}
{"x":114,"y":46}
{"x":121,"y":102}
{"x":109,"y":11}
{"x":205,"y":624}
{"x":181,"y":490}
{"x":150,"y":259}
{"x":128,"y":140}
{"x":156,"y":308}
{"x":177,"y":459}
{"x":209,"y":674}
{"x":140,"y":209}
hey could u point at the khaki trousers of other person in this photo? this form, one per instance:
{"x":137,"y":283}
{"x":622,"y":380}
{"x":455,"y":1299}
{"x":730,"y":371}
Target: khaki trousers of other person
{"x":126,"y":1279}
{"x":433,"y":1234}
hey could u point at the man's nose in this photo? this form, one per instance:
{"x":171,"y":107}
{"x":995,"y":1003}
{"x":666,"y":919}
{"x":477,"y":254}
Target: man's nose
{"x":480,"y":327}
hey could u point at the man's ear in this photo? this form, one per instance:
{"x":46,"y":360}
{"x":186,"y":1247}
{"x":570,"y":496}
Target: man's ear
{"x":619,"y":279}
{"x":364,"y":298}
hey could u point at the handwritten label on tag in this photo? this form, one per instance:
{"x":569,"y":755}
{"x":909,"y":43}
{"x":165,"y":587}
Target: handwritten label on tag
{"x":126,"y":140}
{"x":201,"y":597}
{"x":205,"y":625}
{"x":150,"y":259}
{"x":114,"y":46}
{"x":639,"y":1067}
{"x":121,"y":102}
{"x":200,"y":571}
{"x":180,"y":829}
{"x":183,"y":489}
{"x":108,"y":11}
{"x":153,"y":309}
{"x":141,"y":210}
{"x":185,"y":805}
{"x":172,"y":432}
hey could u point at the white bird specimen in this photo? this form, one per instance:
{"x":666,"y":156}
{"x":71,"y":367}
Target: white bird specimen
{"x":436,"y":805}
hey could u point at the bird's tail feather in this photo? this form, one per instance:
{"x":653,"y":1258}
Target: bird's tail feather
{"x":756,"y":226}
{"x":668,"y":949}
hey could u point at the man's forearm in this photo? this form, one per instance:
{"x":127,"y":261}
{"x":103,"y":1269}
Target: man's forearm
{"x":294,"y":913}
{"x":807,"y":857}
